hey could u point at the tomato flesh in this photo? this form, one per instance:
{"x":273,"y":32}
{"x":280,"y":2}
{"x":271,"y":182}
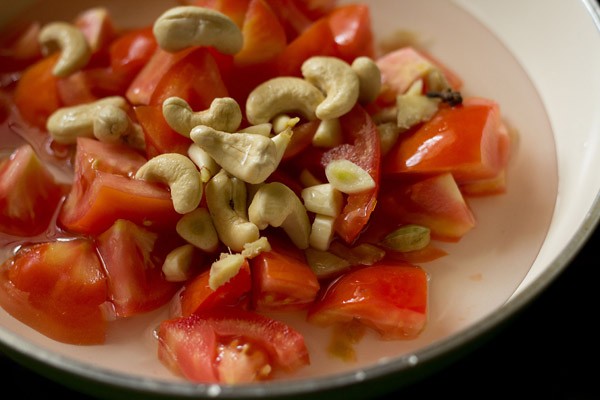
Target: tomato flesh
{"x":59,"y":289}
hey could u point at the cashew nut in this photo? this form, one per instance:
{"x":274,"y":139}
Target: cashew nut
{"x":277,"y":205}
{"x":249,"y":157}
{"x":74,"y":48}
{"x":369,"y":78}
{"x":112,"y":125}
{"x":282,"y":95}
{"x":208,"y":167}
{"x":182,"y":176}
{"x":328,"y":134}
{"x":224,"y":114}
{"x":66,"y":124}
{"x":225,"y":268}
{"x":187,"y":26}
{"x":197,"y":228}
{"x":337,"y":80}
{"x":226,"y":201}
{"x":177,"y":266}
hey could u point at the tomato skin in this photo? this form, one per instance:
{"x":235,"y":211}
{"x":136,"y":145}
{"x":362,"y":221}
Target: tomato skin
{"x":352,"y":31}
{"x":134,"y":271}
{"x":104,"y":190}
{"x":282,"y":281}
{"x":36,"y":94}
{"x":197,"y":296}
{"x":390,"y":298}
{"x":59,"y":289}
{"x":190,"y":346}
{"x":29,"y":194}
{"x":363,"y":148}
{"x":467,"y":140}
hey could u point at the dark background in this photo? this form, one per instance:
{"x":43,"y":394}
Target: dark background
{"x":549,"y":351}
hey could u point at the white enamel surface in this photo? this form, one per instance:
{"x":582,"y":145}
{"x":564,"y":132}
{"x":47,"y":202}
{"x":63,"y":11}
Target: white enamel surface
{"x":538,"y":59}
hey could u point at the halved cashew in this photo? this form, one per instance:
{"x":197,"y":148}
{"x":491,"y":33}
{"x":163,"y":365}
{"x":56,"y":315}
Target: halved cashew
{"x":226,"y":198}
{"x":182,"y":176}
{"x":369,"y":77}
{"x":348,"y":177}
{"x":187,"y":26}
{"x":282,"y":95}
{"x":225,"y":268}
{"x":328,"y":134}
{"x":249,"y":157}
{"x":224,"y":114}
{"x":66,"y":124}
{"x":197,"y":228}
{"x":74,"y":48}
{"x":177,"y":266}
{"x":208,"y":167}
{"x":112,"y":125}
{"x":337,"y":80}
{"x":277,"y":205}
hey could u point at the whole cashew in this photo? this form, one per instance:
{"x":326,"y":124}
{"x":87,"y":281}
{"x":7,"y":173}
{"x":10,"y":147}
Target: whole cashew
{"x":226,"y":201}
{"x":66,"y":124}
{"x":182,"y":176}
{"x":277,"y":205}
{"x":369,"y":77}
{"x":186,"y":26}
{"x":197,"y":228}
{"x":282,"y":95}
{"x":75,"y":51}
{"x":207,"y":165}
{"x":224,"y":114}
{"x":335,"y":78}
{"x":247,"y":156}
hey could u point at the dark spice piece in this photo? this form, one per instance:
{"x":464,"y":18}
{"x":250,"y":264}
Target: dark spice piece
{"x":447,"y":96}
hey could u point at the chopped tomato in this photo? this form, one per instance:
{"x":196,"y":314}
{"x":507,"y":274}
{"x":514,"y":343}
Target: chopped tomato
{"x":19,"y":46}
{"x":264,"y":37}
{"x":291,"y":17}
{"x":390,"y":298}
{"x":134,"y":269}
{"x":132,"y":50}
{"x":59,"y":289}
{"x":433,"y":201}
{"x":29,"y":194}
{"x":201,"y":347}
{"x":197,"y":296}
{"x":302,"y":138}
{"x":362,"y":147}
{"x":316,"y":40}
{"x":469,"y":141}
{"x":104,"y":190}
{"x":282,"y":281}
{"x":36,"y":93}
{"x":234,"y":9}
{"x":315,"y":9}
{"x":97,"y":26}
{"x":159,"y":137}
{"x":352,"y":31}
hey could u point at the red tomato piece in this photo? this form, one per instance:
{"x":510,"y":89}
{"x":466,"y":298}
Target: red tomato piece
{"x":234,"y":9}
{"x":134,"y":270}
{"x":264,"y":37}
{"x":59,"y":289}
{"x":29,"y":194}
{"x":104,"y":190}
{"x":433,"y":201}
{"x":282,"y":281}
{"x":19,"y":46}
{"x":291,"y":17}
{"x":352,"y":31}
{"x":315,"y":9}
{"x":469,"y":141}
{"x":197,"y":296}
{"x":316,"y":40}
{"x":97,"y":27}
{"x":229,"y":345}
{"x":363,"y":148}
{"x":159,"y":136}
{"x":195,"y":77}
{"x":36,"y":94}
{"x":390,"y":298}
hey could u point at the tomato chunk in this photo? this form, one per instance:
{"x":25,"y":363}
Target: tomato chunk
{"x":59,"y":289}
{"x":134,"y":270}
{"x":29,"y":194}
{"x":392,"y":299}
{"x":199,"y":346}
{"x":468,"y":140}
